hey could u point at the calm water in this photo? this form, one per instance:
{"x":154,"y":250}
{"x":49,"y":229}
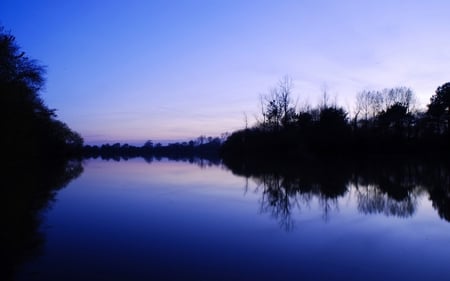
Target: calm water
{"x":166,"y":220}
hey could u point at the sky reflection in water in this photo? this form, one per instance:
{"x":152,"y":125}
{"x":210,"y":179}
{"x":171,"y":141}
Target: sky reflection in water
{"x":175,"y":221}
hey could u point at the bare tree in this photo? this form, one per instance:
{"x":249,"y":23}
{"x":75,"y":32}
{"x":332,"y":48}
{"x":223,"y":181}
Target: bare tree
{"x":369,"y":103}
{"x":400,"y":95}
{"x":277,"y":106}
{"x":245,"y":120}
{"x":263,"y":110}
{"x":363,"y":103}
{"x":285,"y":102}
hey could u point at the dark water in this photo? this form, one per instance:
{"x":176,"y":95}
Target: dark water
{"x":167,"y":220}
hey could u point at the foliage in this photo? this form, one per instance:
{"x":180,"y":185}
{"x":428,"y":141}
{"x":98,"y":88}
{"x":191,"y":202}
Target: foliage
{"x":29,"y":127}
{"x":277,"y":108}
{"x":439,"y":109}
{"x":385,"y":122}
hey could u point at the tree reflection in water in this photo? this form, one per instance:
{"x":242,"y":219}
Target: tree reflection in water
{"x":29,"y":189}
{"x":372,"y":200}
{"x":391,"y":188}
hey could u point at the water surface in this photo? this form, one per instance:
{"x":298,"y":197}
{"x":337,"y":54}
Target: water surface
{"x":167,"y":220}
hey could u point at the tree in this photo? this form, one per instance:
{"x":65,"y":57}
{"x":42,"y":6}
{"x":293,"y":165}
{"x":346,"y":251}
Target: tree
{"x":372,"y":103}
{"x":333,"y":125}
{"x":277,"y":106}
{"x":369,"y":103}
{"x":439,"y":108}
{"x":29,"y":127}
{"x":395,"y":119}
{"x":403,"y":96}
{"x":148,"y":144}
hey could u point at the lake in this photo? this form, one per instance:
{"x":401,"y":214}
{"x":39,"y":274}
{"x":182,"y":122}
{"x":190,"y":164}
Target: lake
{"x":168,"y":220}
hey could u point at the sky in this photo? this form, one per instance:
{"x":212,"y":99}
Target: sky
{"x":131,"y":71}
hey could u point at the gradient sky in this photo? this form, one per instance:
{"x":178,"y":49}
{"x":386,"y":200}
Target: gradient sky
{"x":172,"y":70}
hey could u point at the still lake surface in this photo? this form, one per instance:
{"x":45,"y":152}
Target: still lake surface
{"x":167,"y":220}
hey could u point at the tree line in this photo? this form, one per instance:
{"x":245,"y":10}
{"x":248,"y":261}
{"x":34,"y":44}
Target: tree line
{"x":202,"y":147}
{"x":384,"y":122}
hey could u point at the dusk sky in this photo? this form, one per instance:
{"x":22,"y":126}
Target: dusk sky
{"x":130,"y":71}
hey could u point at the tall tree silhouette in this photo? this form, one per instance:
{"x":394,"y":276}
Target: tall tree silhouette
{"x":29,"y":128}
{"x":439,"y":109}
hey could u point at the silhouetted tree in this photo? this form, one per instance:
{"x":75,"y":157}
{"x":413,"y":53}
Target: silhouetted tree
{"x":395,"y":119}
{"x":277,"y":107}
{"x":385,"y":121}
{"x":368,"y":104}
{"x":148,"y":144}
{"x":439,"y":109}
{"x":332,"y":130}
{"x":403,"y":96}
{"x":29,"y":128}
{"x":333,"y":119}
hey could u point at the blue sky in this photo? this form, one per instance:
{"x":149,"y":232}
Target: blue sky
{"x":170,"y":70}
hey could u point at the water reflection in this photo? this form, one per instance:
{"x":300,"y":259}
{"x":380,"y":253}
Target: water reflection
{"x":391,"y":188}
{"x":171,"y":220}
{"x":372,"y":200}
{"x":29,"y":189}
{"x":202,"y":162}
